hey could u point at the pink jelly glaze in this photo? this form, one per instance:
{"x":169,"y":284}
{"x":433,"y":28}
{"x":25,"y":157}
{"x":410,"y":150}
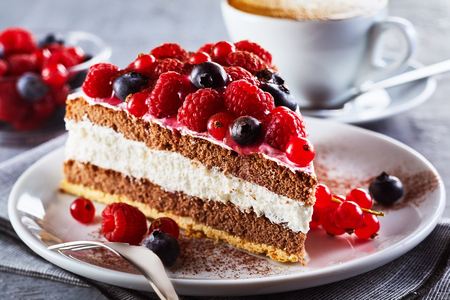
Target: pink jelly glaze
{"x":172,"y":123}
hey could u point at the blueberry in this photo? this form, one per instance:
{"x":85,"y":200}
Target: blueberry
{"x":2,"y":51}
{"x":270,"y":76}
{"x":128,"y":83}
{"x":208,"y":75}
{"x":49,"y":39}
{"x":31,"y":87}
{"x":281,"y":95}
{"x":164,"y":245}
{"x":386,"y":189}
{"x":245,"y":130}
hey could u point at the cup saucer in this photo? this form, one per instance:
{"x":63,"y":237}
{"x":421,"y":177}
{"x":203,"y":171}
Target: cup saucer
{"x":380,"y":104}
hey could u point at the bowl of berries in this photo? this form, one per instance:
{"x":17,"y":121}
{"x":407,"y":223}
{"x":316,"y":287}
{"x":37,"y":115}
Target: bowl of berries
{"x":38,"y":70}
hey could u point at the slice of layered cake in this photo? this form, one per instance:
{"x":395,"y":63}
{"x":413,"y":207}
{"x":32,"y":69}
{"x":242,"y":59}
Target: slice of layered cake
{"x":212,"y":139}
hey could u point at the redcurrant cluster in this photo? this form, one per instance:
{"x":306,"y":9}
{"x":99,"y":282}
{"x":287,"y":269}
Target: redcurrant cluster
{"x":349,"y":214}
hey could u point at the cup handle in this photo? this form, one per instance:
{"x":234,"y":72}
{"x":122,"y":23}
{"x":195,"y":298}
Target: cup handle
{"x":377,"y":66}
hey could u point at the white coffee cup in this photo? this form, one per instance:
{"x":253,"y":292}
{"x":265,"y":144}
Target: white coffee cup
{"x":321,"y":60}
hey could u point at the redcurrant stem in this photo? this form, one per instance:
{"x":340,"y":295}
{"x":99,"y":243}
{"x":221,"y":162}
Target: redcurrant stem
{"x":373,"y":212}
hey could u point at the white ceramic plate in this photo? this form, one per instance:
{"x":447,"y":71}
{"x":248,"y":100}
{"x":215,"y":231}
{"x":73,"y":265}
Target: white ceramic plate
{"x":347,"y":157}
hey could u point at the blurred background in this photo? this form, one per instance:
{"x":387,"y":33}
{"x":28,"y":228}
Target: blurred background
{"x":133,"y":27}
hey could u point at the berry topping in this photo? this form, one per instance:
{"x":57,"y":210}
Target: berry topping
{"x":269,"y":76}
{"x":123,"y":223}
{"x":208,"y":75}
{"x":245,"y":130}
{"x":282,"y":127}
{"x":164,"y":245}
{"x":98,"y":83}
{"x":237,"y":73}
{"x":128,"y":84}
{"x":82,"y":210}
{"x":198,"y":107}
{"x":169,"y":64}
{"x":206,"y":48}
{"x":245,"y":99}
{"x":255,"y":49}
{"x":17,"y":40}
{"x":360,"y":197}
{"x":369,"y":228}
{"x":199,"y":57}
{"x":220,"y":51}
{"x":218,"y":124}
{"x":54,"y":74}
{"x":167,"y":225}
{"x":136,"y":103}
{"x":170,"y":50}
{"x":31,"y":87}
{"x":247,"y":60}
{"x":300,"y":151}
{"x":386,"y":189}
{"x":281,"y":95}
{"x":348,"y":215}
{"x":143,"y":64}
{"x":165,"y":98}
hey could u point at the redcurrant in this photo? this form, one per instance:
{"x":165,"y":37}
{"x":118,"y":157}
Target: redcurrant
{"x":199,"y":57}
{"x":360,"y":197}
{"x":348,"y":215}
{"x":369,"y":228}
{"x":167,"y":225}
{"x":300,"y":151}
{"x":144,"y":63}
{"x":82,"y":210}
{"x":218,"y":124}
{"x":329,"y":225}
{"x":136,"y":104}
{"x":316,"y":219}
{"x":54,"y":74}
{"x":323,"y":195}
{"x":220,"y":52}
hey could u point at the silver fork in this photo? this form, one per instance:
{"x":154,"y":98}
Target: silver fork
{"x":144,"y":260}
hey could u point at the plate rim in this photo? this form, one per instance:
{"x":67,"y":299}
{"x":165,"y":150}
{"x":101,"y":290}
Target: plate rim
{"x":280,"y":283}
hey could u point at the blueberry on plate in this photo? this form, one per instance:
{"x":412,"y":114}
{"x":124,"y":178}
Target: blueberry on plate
{"x":128,"y":83}
{"x":386,"y":189}
{"x":164,"y":245}
{"x":208,"y":75}
{"x":31,"y":86}
{"x":245,"y":130}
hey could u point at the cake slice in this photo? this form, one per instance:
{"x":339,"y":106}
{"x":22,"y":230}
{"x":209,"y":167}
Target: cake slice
{"x":209,"y":139}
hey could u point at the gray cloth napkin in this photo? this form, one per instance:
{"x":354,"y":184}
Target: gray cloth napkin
{"x":422,"y":273}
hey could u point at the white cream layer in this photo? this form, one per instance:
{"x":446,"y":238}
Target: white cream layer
{"x":108,"y":149}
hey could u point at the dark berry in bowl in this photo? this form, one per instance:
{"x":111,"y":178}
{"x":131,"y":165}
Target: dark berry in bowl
{"x":281,"y":95}
{"x":164,"y":245}
{"x":128,"y":83}
{"x":31,"y":86}
{"x":208,"y":75}
{"x":245,"y":130}
{"x":386,"y":189}
{"x":49,"y":39}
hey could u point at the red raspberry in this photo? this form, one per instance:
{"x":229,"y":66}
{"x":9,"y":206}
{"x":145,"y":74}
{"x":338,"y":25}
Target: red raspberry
{"x":98,"y":82}
{"x":218,"y":124}
{"x":22,"y":63}
{"x":123,"y":223}
{"x":137,"y":105}
{"x":17,"y":40}
{"x":165,"y":98}
{"x":255,"y":49}
{"x":206,"y":48}
{"x":220,"y":52}
{"x":283,"y":126}
{"x":12,"y":106}
{"x":237,"y":73}
{"x":199,"y":57}
{"x":3,"y":67}
{"x":198,"y":107}
{"x":249,"y":61}
{"x":245,"y":99}
{"x":169,"y":64}
{"x":170,"y":50}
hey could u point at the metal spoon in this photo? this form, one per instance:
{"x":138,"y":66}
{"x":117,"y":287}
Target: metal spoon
{"x":367,"y":87}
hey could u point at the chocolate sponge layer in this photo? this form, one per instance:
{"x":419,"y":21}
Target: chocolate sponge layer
{"x":254,"y":168}
{"x":220,"y":216}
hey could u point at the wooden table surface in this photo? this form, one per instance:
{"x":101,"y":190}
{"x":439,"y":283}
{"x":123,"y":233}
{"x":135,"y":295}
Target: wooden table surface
{"x":132,"y":27}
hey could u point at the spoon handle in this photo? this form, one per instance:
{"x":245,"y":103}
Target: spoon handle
{"x":427,"y":71}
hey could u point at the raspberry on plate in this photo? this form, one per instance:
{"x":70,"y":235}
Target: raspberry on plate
{"x":243,"y":98}
{"x":283,"y":126}
{"x":123,"y":223}
{"x":170,"y":50}
{"x":247,"y":60}
{"x":198,"y":107}
{"x":99,"y":80}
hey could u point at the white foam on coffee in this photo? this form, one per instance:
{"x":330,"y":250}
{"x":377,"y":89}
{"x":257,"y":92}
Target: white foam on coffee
{"x":309,"y":9}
